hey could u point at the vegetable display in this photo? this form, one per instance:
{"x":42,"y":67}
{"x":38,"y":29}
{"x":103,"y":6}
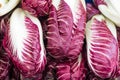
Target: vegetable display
{"x":59,"y":40}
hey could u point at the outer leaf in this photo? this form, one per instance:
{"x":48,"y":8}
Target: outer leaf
{"x":110,"y":8}
{"x":7,"y":5}
{"x":35,"y":77}
{"x":63,"y":71}
{"x":37,"y":7}
{"x":91,"y":11}
{"x":4,"y":65}
{"x":91,"y":76}
{"x":118,"y":38}
{"x":50,"y":70}
{"x":66,"y":25}
{"x":102,"y":46}
{"x":59,"y":30}
{"x":24,"y":43}
{"x":4,"y":23}
{"x":78,"y":8}
{"x":78,"y":69}
{"x":73,"y":70}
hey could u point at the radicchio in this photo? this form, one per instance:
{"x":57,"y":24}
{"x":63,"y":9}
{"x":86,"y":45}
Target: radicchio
{"x":78,"y":69}
{"x":4,"y":23}
{"x":59,"y":30}
{"x":63,"y":71}
{"x":4,"y":65}
{"x":73,"y":70}
{"x":50,"y":70}
{"x":91,"y":76}
{"x":118,"y":38}
{"x":102,"y":46}
{"x":91,"y":11}
{"x":37,"y":7}
{"x":109,"y":8}
{"x":7,"y":5}
{"x":78,"y":9}
{"x":35,"y":77}
{"x":24,"y":43}
{"x":66,"y":24}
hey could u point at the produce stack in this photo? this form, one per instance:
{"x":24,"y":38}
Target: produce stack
{"x":59,"y":40}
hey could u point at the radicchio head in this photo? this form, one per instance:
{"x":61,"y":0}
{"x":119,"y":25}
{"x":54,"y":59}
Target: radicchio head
{"x":24,"y":43}
{"x":102,"y":46}
{"x":66,"y":24}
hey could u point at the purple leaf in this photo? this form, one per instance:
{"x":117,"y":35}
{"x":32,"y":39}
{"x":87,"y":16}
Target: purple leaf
{"x":24,"y":43}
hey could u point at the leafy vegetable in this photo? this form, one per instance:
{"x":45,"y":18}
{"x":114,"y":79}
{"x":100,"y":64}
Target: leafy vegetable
{"x":102,"y":46}
{"x":7,"y":5}
{"x":37,"y":7}
{"x":118,"y":38}
{"x":59,"y":30}
{"x":4,"y":65}
{"x":73,"y":70}
{"x":91,"y":11}
{"x":78,"y":69}
{"x":49,"y":40}
{"x":50,"y":69}
{"x":109,"y":8}
{"x":24,"y":43}
{"x":66,"y":24}
{"x":78,"y":8}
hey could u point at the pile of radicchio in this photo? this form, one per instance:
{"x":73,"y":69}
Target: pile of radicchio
{"x":59,"y":40}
